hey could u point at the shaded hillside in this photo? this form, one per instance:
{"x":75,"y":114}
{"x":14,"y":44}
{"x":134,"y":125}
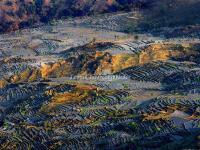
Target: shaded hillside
{"x":15,"y":14}
{"x":171,"y":13}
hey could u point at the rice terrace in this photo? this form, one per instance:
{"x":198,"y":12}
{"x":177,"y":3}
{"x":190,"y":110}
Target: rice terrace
{"x":99,"y":74}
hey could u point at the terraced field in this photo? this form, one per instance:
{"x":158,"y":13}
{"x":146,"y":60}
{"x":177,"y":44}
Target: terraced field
{"x":80,"y":84}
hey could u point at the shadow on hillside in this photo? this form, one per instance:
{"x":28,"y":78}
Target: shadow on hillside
{"x":171,"y":18}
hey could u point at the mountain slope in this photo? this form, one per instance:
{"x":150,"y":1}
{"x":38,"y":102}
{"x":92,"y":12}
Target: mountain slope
{"x":15,"y":14}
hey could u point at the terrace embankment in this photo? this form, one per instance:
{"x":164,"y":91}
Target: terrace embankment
{"x":97,"y":62}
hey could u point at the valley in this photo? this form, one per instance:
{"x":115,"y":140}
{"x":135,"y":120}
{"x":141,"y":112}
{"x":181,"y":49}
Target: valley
{"x":86,"y":84}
